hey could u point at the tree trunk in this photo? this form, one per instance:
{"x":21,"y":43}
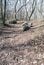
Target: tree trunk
{"x":15,"y":13}
{"x":15,"y":8}
{"x":4,"y":12}
{"x":1,"y":10}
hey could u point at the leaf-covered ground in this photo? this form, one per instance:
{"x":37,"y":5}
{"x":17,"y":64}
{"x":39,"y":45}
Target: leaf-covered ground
{"x":22,"y":48}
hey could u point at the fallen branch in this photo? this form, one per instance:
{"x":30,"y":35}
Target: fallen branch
{"x":37,"y":26}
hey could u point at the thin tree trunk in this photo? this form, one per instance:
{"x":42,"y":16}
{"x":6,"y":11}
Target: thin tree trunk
{"x":1,"y":10}
{"x":33,"y":9}
{"x":15,"y":13}
{"x":15,"y":8}
{"x":4,"y":12}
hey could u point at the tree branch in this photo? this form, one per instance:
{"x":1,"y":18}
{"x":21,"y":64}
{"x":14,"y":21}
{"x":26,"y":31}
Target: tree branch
{"x":22,"y":7}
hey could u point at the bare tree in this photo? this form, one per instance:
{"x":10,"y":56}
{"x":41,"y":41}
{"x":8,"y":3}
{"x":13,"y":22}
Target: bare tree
{"x":33,"y":9}
{"x":22,"y":7}
{"x":16,"y":11}
{"x":40,"y":10}
{"x":1,"y":10}
{"x":20,"y":10}
{"x":15,"y":8}
{"x":4,"y":16}
{"x":26,"y":9}
{"x":41,"y":6}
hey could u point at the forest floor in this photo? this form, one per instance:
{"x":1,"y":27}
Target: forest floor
{"x":22,"y":48}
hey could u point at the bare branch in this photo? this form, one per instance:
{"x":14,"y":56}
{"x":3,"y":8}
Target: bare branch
{"x":22,"y":7}
{"x":33,"y":9}
{"x":31,"y":13}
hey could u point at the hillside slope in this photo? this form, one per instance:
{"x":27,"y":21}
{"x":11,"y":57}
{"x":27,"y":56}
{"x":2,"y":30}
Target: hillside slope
{"x":22,"y":48}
